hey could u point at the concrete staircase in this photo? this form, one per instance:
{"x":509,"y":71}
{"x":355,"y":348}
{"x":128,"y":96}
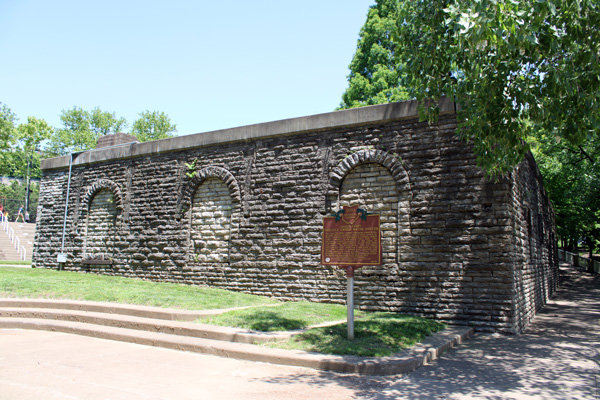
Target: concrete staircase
{"x":17,"y":232}
{"x":172,"y":329}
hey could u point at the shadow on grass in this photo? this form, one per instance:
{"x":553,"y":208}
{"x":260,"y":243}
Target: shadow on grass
{"x":265,"y":321}
{"x":378,"y":335}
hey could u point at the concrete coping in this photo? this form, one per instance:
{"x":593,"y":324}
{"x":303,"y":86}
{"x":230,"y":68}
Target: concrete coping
{"x":330,"y":120}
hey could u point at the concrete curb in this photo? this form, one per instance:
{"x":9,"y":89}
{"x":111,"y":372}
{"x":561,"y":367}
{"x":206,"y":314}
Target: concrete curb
{"x":90,"y":324}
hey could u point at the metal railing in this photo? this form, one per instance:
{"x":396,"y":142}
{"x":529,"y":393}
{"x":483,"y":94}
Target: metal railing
{"x":14,"y":239}
{"x":592,"y":266}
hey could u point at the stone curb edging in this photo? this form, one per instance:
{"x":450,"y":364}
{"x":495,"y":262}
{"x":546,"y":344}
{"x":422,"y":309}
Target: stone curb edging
{"x":405,"y":361}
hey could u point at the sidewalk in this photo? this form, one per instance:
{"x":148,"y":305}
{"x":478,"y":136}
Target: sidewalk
{"x":557,"y":358}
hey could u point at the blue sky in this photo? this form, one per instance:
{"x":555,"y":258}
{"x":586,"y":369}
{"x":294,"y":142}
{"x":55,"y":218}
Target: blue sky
{"x":209,"y":65}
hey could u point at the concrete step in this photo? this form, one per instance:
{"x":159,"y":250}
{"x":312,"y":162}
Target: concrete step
{"x":25,"y":233}
{"x":124,"y":323}
{"x":114,"y":308}
{"x":7,"y":249}
{"x":179,"y":328}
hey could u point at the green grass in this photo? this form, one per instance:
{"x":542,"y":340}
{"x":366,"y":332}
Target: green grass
{"x":286,"y":317}
{"x":52,"y":284}
{"x":4,"y":262}
{"x":375,"y":335}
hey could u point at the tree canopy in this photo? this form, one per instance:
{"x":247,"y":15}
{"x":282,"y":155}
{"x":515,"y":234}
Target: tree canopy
{"x":374,"y":74}
{"x":515,"y":68}
{"x":24,"y":146}
{"x":27,"y":149}
{"x":81,"y":130}
{"x":152,"y":126}
{"x":7,"y":126}
{"x":572,"y":178}
{"x":525,"y":74}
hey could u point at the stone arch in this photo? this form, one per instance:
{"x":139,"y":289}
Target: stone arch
{"x":86,"y":200}
{"x":101,"y":212}
{"x":392,"y":163}
{"x":349,"y":183}
{"x":99,"y":185}
{"x":206,"y":173}
{"x":214,"y":202}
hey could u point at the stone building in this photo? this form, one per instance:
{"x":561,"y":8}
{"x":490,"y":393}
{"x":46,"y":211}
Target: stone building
{"x":242,"y":209}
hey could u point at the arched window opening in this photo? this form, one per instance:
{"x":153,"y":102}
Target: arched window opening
{"x":211,"y":212}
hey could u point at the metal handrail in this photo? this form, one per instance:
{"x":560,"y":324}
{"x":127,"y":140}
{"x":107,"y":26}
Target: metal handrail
{"x":575,"y":259}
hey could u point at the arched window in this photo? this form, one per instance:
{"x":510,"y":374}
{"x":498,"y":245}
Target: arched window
{"x":211,"y":213}
{"x":101,"y":226}
{"x":372,"y":187}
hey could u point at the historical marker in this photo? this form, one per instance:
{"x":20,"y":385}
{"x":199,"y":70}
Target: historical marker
{"x":351,"y":239}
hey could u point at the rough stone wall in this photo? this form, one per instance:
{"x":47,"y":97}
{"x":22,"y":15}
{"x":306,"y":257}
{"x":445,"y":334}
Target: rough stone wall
{"x":211,"y":222}
{"x":535,"y":276}
{"x":448,"y":232}
{"x":100,"y":233}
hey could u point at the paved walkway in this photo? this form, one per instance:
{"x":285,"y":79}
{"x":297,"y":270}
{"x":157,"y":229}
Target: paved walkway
{"x":558,"y":358}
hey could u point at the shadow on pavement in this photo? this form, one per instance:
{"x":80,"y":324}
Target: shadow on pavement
{"x":558,"y":357}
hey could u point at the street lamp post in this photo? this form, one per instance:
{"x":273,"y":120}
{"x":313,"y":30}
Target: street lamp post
{"x":27,"y":192}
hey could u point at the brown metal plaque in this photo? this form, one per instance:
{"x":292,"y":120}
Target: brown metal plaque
{"x":353,"y":240}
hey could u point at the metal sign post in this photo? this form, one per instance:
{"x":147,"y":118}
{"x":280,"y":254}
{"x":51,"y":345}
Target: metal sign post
{"x":351,"y":239}
{"x":350,"y":301}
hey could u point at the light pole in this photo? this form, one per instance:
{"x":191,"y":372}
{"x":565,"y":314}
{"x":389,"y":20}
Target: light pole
{"x":27,"y":192}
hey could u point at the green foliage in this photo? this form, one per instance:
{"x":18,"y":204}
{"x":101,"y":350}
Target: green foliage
{"x":31,"y":134}
{"x":7,"y":126}
{"x":572,"y":179}
{"x":13,"y":195}
{"x":22,"y":160}
{"x":26,"y":150}
{"x":81,"y":130}
{"x":152,"y":126}
{"x":375,"y":335}
{"x":191,"y":168}
{"x":374,"y":76}
{"x":515,"y":68}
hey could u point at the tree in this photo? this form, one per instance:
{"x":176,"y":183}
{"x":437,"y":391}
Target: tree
{"x":103,"y":122}
{"x":572,"y":179}
{"x":152,"y":126}
{"x":30,"y":138}
{"x":515,"y":68}
{"x":374,"y":75}
{"x":7,"y":126}
{"x":81,"y":130}
{"x":7,"y":136}
{"x":13,"y":195}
